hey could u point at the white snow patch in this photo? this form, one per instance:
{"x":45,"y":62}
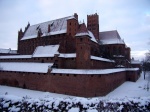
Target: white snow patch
{"x":74,"y":110}
{"x":15,"y":56}
{"x":46,"y":51}
{"x":71,"y":55}
{"x":132,"y":89}
{"x":101,"y":59}
{"x":91,"y":71}
{"x":25,"y":67}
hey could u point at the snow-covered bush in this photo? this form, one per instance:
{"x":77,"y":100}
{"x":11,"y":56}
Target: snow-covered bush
{"x":13,"y":103}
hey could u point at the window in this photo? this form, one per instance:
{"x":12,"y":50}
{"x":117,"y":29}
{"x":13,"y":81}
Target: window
{"x":74,"y":75}
{"x":81,"y":39}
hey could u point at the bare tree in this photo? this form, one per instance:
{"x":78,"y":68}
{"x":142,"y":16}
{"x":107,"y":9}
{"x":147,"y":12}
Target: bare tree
{"x":146,"y":63}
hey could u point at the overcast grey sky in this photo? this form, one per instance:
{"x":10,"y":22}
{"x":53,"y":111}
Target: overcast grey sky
{"x":130,"y":17}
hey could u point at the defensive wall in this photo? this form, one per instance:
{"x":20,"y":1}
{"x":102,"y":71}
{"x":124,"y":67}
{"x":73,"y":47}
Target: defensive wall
{"x":86,"y":83}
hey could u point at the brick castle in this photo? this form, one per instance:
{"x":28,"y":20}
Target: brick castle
{"x":68,"y":57}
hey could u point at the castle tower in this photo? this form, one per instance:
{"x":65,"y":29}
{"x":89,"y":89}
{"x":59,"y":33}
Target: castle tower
{"x":83,"y":49}
{"x":72,"y":25}
{"x":93,"y":25}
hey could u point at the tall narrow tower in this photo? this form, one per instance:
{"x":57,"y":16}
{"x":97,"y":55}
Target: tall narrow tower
{"x":93,"y":24}
{"x":83,"y":48}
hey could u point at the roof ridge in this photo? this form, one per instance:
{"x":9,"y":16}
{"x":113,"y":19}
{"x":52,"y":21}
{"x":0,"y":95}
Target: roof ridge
{"x":108,"y":31}
{"x":50,"y":21}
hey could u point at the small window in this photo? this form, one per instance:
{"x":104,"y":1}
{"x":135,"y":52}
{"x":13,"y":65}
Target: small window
{"x":81,"y":39}
{"x":74,"y":75}
{"x":70,"y":23}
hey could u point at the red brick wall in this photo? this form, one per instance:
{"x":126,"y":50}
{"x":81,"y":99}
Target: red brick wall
{"x":72,"y":26}
{"x":95,"y":49}
{"x":71,"y":84}
{"x":95,"y":64}
{"x":132,"y":75}
{"x":83,"y":52}
{"x":28,"y":46}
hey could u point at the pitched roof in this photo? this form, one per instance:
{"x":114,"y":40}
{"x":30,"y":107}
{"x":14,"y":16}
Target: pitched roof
{"x":110,"y":37}
{"x":135,"y":62}
{"x":46,"y":51}
{"x":84,"y":31}
{"x":25,"y":67}
{"x":57,"y":26}
{"x":6,"y":51}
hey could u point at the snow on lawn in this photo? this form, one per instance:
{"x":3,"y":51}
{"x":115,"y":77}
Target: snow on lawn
{"x":127,"y":89}
{"x":30,"y":93}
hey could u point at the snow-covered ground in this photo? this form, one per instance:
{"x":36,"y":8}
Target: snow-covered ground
{"x":127,"y":89}
{"x":133,"y":95}
{"x":132,"y":89}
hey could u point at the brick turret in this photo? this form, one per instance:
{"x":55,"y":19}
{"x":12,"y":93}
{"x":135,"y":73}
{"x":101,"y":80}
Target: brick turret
{"x":93,"y":25}
{"x":72,"y":25}
{"x":83,"y":49}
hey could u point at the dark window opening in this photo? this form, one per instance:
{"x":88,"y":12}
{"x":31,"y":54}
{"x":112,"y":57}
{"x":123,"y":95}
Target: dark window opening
{"x":42,"y":61}
{"x":74,"y":75}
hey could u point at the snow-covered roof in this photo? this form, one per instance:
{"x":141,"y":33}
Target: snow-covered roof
{"x":84,"y":31}
{"x":92,"y":71}
{"x":118,"y":56}
{"x":57,"y":26}
{"x":110,"y":37}
{"x":71,"y":55}
{"x":135,"y":62}
{"x":25,"y":67}
{"x":92,"y":36}
{"x":15,"y":56}
{"x":101,"y":59}
{"x":119,"y":66}
{"x":8,"y":51}
{"x":89,"y":33}
{"x":46,"y":51}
